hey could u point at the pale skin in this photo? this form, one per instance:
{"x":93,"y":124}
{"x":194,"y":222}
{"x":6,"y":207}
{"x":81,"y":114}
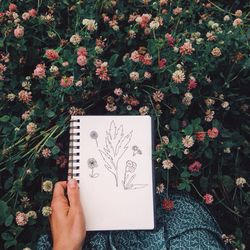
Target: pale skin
{"x":67,"y":218}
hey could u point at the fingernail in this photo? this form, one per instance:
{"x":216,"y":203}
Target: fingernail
{"x":72,"y":183}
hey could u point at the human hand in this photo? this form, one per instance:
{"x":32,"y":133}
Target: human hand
{"x":67,"y":219}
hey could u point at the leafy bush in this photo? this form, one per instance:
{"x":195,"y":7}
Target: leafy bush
{"x":185,"y":63}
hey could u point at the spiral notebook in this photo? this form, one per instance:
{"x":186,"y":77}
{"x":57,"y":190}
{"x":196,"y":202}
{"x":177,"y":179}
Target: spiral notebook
{"x":111,"y":158}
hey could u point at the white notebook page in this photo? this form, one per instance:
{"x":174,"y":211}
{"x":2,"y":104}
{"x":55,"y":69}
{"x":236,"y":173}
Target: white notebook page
{"x":115,"y":176}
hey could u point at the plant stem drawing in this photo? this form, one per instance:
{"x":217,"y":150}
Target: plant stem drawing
{"x":129,"y":176}
{"x":136,"y":150}
{"x":116,"y":144}
{"x":94,"y":135}
{"x":92,"y":164}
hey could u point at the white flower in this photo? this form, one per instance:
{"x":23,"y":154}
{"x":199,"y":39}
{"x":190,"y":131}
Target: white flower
{"x":167,"y":164}
{"x":240,"y":182}
{"x":154,"y":25}
{"x":46,"y":211}
{"x":226,"y":18}
{"x":89,"y":24}
{"x":47,"y":186}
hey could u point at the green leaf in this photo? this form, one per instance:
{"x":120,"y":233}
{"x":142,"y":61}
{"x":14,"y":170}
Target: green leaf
{"x":174,"y":89}
{"x":9,"y":244}
{"x":181,"y":186}
{"x":185,"y":174}
{"x":4,"y":211}
{"x":174,"y":124}
{"x":50,"y":142}
{"x":113,"y":60}
{"x":228,"y":182}
{"x":7,"y":236}
{"x":4,"y":118}
{"x":50,"y":113}
{"x":9,"y":220}
{"x":55,"y":150}
{"x":188,"y":130}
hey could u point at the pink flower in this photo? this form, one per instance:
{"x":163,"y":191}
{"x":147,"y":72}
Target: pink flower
{"x":158,"y":96}
{"x":40,"y":71}
{"x":237,"y":22}
{"x":66,"y":81}
{"x":192,"y":84}
{"x":195,"y":166}
{"x":21,"y":219}
{"x":102,"y":70}
{"x":200,"y":136}
{"x":19,"y":31}
{"x":82,"y":60}
{"x":25,"y":16}
{"x":12,"y":7}
{"x":118,"y":91}
{"x":2,"y":68}
{"x":61,"y":161}
{"x":32,"y":12}
{"x":213,"y":133}
{"x":82,"y":51}
{"x":135,"y":56}
{"x":147,"y":75}
{"x":186,"y":49}
{"x":147,"y":59}
{"x":208,"y":198}
{"x":162,"y":63}
{"x":188,"y":141}
{"x":24,"y":96}
{"x":177,"y":11}
{"x":170,"y":40}
{"x":167,"y":204}
{"x":51,"y":54}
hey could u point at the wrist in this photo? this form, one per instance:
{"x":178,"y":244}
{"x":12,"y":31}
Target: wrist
{"x":66,"y":246}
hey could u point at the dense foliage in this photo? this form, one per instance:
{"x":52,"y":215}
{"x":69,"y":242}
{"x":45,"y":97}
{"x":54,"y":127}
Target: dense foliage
{"x":185,"y":63}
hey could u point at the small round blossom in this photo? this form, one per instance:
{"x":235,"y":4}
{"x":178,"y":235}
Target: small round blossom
{"x":154,"y":25}
{"x":82,"y":51}
{"x":167,"y":204}
{"x":24,"y":96}
{"x":209,"y":115}
{"x":188,"y":141}
{"x":225,"y":105}
{"x":46,"y":153}
{"x":209,"y":102}
{"x":75,"y":39}
{"x":200,"y":135}
{"x":143,"y":110}
{"x":192,"y":84}
{"x":47,"y":186}
{"x":46,"y":211}
{"x":226,"y":18}
{"x":21,"y":219}
{"x":240,"y":182}
{"x":167,"y":164}
{"x":134,"y":76}
{"x":238,"y":13}
{"x":160,"y":188}
{"x":82,"y":60}
{"x":237,"y":22}
{"x":32,"y":214}
{"x":51,"y":54}
{"x":158,"y":96}
{"x":213,"y":133}
{"x":186,"y":49}
{"x":11,"y":97}
{"x":118,"y":91}
{"x":187,"y":99}
{"x":135,"y":56}
{"x":32,"y":12}
{"x":26,"y":16}
{"x":39,"y":71}
{"x":19,"y":31}
{"x":89,"y":24}
{"x":26,"y":115}
{"x":195,"y":166}
{"x":147,"y":75}
{"x":211,"y":36}
{"x":31,"y":128}
{"x":12,"y":7}
{"x":216,"y":52}
{"x":177,"y":11}
{"x":66,"y":81}
{"x":208,"y":198}
{"x":178,"y":76}
{"x":165,"y":139}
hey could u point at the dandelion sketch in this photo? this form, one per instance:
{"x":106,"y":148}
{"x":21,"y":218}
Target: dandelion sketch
{"x":136,"y":150}
{"x":94,"y":135}
{"x":92,"y":164}
{"x":116,"y":144}
{"x":129,"y":176}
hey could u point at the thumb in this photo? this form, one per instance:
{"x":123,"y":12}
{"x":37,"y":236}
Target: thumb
{"x":73,"y":194}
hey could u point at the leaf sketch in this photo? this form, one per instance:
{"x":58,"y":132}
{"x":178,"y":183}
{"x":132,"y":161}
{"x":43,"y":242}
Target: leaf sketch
{"x":92,"y":164}
{"x":116,"y":144}
{"x":130,"y":175}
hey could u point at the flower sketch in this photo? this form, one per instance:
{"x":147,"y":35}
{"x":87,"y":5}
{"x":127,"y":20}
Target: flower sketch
{"x":129,"y":176}
{"x":136,"y":150}
{"x":92,"y":164}
{"x":94,"y":135}
{"x":116,"y":144}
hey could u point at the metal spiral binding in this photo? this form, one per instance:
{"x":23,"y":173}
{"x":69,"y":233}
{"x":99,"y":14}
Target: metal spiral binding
{"x":74,"y":150}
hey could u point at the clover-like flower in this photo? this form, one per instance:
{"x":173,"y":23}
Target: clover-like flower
{"x":92,"y":164}
{"x":130,"y":166}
